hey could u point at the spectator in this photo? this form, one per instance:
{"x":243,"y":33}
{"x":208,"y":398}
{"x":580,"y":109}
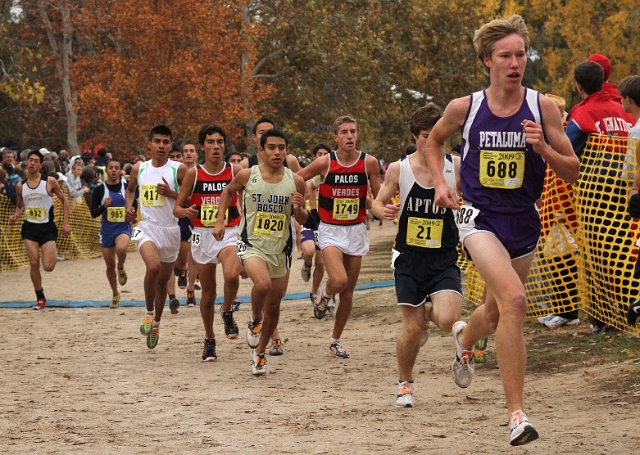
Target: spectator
{"x":8,"y":161}
{"x":597,"y":113}
{"x":73,"y":183}
{"x":103,"y":159}
{"x":629,"y":90}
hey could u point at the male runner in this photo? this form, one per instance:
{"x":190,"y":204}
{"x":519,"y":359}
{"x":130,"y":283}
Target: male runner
{"x":272,"y":195}
{"x":189,"y":280}
{"x":259,"y":128}
{"x":198,"y":200}
{"x":34,"y":197}
{"x":157,"y":235}
{"x":115,"y":230}
{"x":310,"y":248}
{"x":342,"y":233}
{"x":425,"y":255}
{"x":505,"y":130}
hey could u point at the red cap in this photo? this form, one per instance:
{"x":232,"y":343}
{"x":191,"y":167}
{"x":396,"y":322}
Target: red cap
{"x":603,"y":62}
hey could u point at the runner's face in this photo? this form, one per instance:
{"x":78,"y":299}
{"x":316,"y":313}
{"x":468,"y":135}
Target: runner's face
{"x":235,"y":159}
{"x":214,"y":147}
{"x":113,"y":172}
{"x":190,"y":154}
{"x":159,"y":146}
{"x":260,"y":130}
{"x":508,"y":60}
{"x":319,"y":153}
{"x":274,"y":152}
{"x":34,"y":164}
{"x":421,"y":140}
{"x":175,"y":156}
{"x":346,"y":137}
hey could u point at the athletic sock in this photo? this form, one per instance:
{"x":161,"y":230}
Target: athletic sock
{"x":156,"y":323}
{"x":172,"y":296}
{"x":40,"y":294}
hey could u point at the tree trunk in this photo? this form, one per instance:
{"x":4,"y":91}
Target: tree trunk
{"x":63,"y":63}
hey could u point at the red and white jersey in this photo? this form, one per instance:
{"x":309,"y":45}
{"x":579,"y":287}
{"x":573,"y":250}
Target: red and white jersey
{"x":207,"y":189}
{"x":343,"y":193}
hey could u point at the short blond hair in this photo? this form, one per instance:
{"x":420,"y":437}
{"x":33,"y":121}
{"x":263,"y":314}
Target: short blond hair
{"x":484,"y":39}
{"x":343,"y":119}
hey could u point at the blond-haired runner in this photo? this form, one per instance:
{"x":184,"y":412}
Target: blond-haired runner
{"x":199,"y":199}
{"x":157,"y":235}
{"x":272,"y":195}
{"x":342,"y":233}
{"x":504,"y":154}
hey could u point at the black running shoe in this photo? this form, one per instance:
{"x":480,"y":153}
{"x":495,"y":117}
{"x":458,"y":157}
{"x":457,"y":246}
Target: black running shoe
{"x":174,"y":304}
{"x":230,"y":327}
{"x":182,"y":279}
{"x":209,"y":352}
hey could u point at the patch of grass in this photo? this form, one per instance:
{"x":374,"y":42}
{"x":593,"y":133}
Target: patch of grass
{"x":570,"y":348}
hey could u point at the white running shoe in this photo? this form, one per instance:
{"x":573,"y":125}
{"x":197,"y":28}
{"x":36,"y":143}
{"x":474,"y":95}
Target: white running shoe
{"x":521,"y":430}
{"x":305,"y":272}
{"x":426,"y":330}
{"x":558,"y":321}
{"x":254,"y":329}
{"x":258,"y":363}
{"x":405,"y":395}
{"x":463,"y":365}
{"x":543,"y":319}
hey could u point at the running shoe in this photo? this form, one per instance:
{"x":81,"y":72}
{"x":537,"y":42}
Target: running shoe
{"x":558,"y":321}
{"x":40,"y":304}
{"x":115,"y":302}
{"x":462,"y":367}
{"x":478,"y":351}
{"x":254,"y":328}
{"x":230,"y":327}
{"x":258,"y":363}
{"x":521,"y":430}
{"x":196,"y":285}
{"x":209,"y":351}
{"x":153,"y":337}
{"x":191,"y":299}
{"x":320,"y":304}
{"x":276,"y":348}
{"x":147,"y":324}
{"x":235,"y":306}
{"x":633,"y":314}
{"x":122,"y":276}
{"x":543,"y":319}
{"x":305,"y":272}
{"x":182,"y":279}
{"x":336,"y":349}
{"x":426,"y":331}
{"x":405,"y":395}
{"x":174,"y":304}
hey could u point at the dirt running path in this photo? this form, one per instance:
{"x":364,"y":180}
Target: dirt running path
{"x":83,"y":381}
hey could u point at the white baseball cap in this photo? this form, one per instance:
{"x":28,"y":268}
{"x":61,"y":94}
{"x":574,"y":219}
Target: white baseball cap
{"x":44,"y":151}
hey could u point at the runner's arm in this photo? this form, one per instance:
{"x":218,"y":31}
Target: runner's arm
{"x":382,"y":207}
{"x":19,"y":204}
{"x":451,"y":121}
{"x":97,"y":208}
{"x":317,"y":167}
{"x":182,"y":209}
{"x":558,"y":152}
{"x":55,"y":189}
{"x":373,"y":172}
{"x":298,"y":199}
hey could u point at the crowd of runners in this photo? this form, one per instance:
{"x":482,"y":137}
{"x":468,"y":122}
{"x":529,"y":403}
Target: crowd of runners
{"x":240,"y":213}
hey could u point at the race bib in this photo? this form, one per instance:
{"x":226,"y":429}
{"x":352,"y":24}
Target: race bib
{"x":501,"y":169}
{"x":116,"y":214}
{"x":35,"y":213}
{"x":270,"y":224}
{"x":465,"y":216}
{"x":195,"y":238}
{"x":136,"y":234}
{"x":150,"y":196}
{"x":346,"y":209}
{"x":209,"y":214}
{"x":424,"y":233}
